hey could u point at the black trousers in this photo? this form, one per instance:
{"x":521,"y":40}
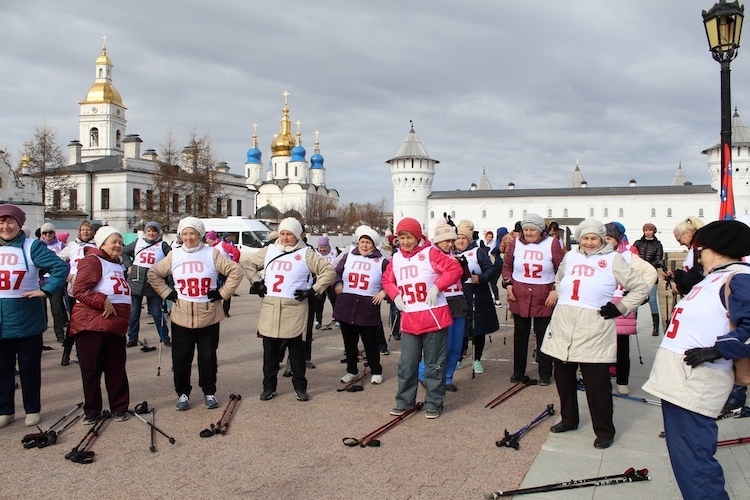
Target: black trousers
{"x":271,"y":349}
{"x":312,"y":304}
{"x":598,"y":395}
{"x":623,"y":359}
{"x":59,"y":315}
{"x":521,"y":333}
{"x":369,"y":335}
{"x":184,"y":343}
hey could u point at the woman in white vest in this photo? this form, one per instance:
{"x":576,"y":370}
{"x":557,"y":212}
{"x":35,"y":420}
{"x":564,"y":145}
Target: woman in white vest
{"x":99,"y":323}
{"x":284,"y":287}
{"x":690,"y":271}
{"x":582,"y":331}
{"x":56,"y":302}
{"x":197,"y":311}
{"x":692,"y":371}
{"x":359,"y":286}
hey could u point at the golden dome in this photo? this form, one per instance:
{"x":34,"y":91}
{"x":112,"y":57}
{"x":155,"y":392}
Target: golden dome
{"x":283,"y":143}
{"x":102,"y":92}
{"x":104,"y":58}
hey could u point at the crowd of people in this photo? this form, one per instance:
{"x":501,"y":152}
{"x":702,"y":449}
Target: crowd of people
{"x":443,"y":296}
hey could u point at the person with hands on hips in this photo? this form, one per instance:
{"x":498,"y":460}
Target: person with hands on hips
{"x":415,"y":280}
{"x":582,"y":331}
{"x":197,"y":311}
{"x":288,"y":264}
{"x":692,"y":371}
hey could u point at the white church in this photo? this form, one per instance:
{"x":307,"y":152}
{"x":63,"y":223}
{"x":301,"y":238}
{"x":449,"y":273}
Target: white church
{"x":413,"y":171}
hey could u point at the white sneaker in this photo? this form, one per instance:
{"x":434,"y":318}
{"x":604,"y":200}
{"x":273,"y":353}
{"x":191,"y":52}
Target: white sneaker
{"x":6,"y":419}
{"x":33,"y":419}
{"x":348,"y":378}
{"x":459,"y":365}
{"x":376,"y":379}
{"x":337,"y":325}
{"x":623,"y":389}
{"x":478,"y":368}
{"x":316,"y":324}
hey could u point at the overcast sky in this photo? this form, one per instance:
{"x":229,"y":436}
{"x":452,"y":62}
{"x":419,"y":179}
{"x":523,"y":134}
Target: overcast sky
{"x":628,"y":88}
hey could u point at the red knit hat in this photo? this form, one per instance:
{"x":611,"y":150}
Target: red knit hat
{"x":410,"y":226}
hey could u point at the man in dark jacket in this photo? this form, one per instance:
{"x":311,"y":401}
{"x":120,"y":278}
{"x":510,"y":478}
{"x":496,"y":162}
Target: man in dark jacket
{"x":650,"y":249}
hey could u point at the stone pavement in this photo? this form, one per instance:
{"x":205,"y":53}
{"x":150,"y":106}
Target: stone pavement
{"x":285,"y":448}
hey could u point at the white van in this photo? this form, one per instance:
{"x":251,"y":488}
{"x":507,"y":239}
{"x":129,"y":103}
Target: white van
{"x":249,"y":234}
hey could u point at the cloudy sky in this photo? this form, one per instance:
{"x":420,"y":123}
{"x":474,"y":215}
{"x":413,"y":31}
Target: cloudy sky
{"x":627,"y":88}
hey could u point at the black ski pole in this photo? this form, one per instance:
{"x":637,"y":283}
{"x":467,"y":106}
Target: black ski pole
{"x":629,"y":476}
{"x":511,"y":440}
{"x":153,"y":433}
{"x":170,"y":438}
{"x":51,"y":436}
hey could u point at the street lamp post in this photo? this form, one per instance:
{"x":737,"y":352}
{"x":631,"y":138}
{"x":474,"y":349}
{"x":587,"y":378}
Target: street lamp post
{"x":723,"y":25}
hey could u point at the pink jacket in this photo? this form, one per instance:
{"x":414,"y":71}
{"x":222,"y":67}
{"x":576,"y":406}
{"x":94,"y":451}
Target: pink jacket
{"x":437,"y":318}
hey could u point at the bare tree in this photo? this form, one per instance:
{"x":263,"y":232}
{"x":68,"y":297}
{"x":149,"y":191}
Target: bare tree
{"x":47,"y":162}
{"x":318,"y":211}
{"x":201,"y":176}
{"x":375,"y":215}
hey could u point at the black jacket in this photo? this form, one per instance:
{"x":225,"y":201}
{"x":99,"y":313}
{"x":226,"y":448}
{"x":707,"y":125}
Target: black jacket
{"x":650,"y":250}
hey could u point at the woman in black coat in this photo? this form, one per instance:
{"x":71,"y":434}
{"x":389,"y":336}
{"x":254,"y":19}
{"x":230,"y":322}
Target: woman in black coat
{"x":482,"y":317}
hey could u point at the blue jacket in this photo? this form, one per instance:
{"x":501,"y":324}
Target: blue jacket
{"x":27,"y":317}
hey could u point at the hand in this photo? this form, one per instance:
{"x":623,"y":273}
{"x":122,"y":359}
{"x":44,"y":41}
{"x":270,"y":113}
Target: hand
{"x":509,"y":292}
{"x":551,"y":299}
{"x":475,"y":279}
{"x":399,"y":303}
{"x":339,"y":288}
{"x":698,"y":355}
{"x":609,"y":311}
{"x":109,"y":309}
{"x":378,"y":298}
{"x":214,"y":295}
{"x":432,"y":296}
{"x":34,"y":293}
{"x":258,"y":288}
{"x":303,"y":294}
{"x":172,"y":295}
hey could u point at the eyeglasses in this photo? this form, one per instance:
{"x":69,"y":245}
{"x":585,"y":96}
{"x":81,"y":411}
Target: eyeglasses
{"x":48,"y":232}
{"x":698,"y":251}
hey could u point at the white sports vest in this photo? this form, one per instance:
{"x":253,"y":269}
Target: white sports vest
{"x":588,"y":280}
{"x":362,"y":275}
{"x":532,"y":263}
{"x":619,"y":290}
{"x":687,"y":264}
{"x":18,"y":273}
{"x":286,"y":274}
{"x":415,"y":277}
{"x":147,"y":254}
{"x":194,"y":273}
{"x":76,"y":254}
{"x":699,"y":318}
{"x":113,"y":283}
{"x":473,"y":261}
{"x":330,"y":256}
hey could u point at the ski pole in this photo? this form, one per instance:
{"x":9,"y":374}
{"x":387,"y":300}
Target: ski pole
{"x":512,"y":391}
{"x":170,"y":438}
{"x":153,"y":433}
{"x":730,"y":442}
{"x":630,"y":475}
{"x":225,"y":421}
{"x":370,"y":439}
{"x":638,"y":398}
{"x":352,"y":385}
{"x":511,"y":440}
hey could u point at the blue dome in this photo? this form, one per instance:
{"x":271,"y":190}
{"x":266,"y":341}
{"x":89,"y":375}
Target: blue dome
{"x":298,"y":153}
{"x":317,"y":161}
{"x":253,"y":155}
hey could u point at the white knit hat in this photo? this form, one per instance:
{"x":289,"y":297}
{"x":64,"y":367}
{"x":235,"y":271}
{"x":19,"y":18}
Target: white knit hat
{"x":192,"y":222}
{"x":444,"y":232}
{"x":367,"y":231}
{"x":47,"y":226}
{"x":292,"y":225}
{"x":103,"y":233}
{"x":591,"y":226}
{"x":534,"y":221}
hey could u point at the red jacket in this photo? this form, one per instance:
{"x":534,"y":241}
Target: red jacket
{"x":231,"y":250}
{"x":434,"y":319}
{"x":87,"y":313}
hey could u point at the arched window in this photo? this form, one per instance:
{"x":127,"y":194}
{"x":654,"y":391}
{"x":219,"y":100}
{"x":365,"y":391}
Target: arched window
{"x":669,"y":212}
{"x":606,"y":212}
{"x":453,"y":214}
{"x":100,"y":72}
{"x":621,"y":212}
{"x":525,"y":212}
{"x":510,"y":214}
{"x":653,"y":212}
{"x":565,"y":212}
{"x":484,"y":214}
{"x":591,"y":212}
{"x":549,"y":212}
{"x":94,"y":137}
{"x":118,"y":136}
{"x":700,"y":212}
{"x":432,"y":214}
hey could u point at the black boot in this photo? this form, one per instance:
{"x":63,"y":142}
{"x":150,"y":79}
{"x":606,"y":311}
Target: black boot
{"x":655,"y":318}
{"x":67,"y":348}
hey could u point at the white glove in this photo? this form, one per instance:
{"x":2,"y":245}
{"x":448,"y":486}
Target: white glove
{"x":399,"y":303}
{"x":432,"y":296}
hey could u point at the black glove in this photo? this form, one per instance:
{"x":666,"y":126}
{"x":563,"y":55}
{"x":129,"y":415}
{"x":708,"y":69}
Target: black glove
{"x":258,"y":288}
{"x":172,"y":295}
{"x":609,"y":311}
{"x":303,"y":294}
{"x":214,"y":295}
{"x":698,"y":355}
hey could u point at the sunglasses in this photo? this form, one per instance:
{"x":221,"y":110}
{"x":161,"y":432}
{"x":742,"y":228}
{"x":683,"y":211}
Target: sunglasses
{"x":48,"y":232}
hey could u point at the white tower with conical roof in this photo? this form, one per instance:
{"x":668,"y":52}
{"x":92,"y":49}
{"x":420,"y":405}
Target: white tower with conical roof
{"x":412,"y":172}
{"x":740,"y":164}
{"x":101,"y":121}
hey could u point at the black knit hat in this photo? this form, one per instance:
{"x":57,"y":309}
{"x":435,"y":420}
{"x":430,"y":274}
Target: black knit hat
{"x":725,"y":237}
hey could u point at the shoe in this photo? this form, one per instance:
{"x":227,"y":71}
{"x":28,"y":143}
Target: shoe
{"x":316,"y":324}
{"x":167,"y":343}
{"x":131,"y":344}
{"x":518,"y":378}
{"x":459,"y":365}
{"x":302,"y":396}
{"x":431,"y":413}
{"x":182,"y":403}
{"x":90,"y":419}
{"x":451,"y":387}
{"x":397,"y":412}
{"x":558,"y":428}
{"x":623,"y":389}
{"x":309,"y":364}
{"x":6,"y":419}
{"x":544,"y":381}
{"x":211,"y":402}
{"x":385,"y":352}
{"x":603,"y":443}
{"x":348,"y":378}
{"x":397,"y":337}
{"x":498,"y":303}
{"x":65,"y":361}
{"x":32,"y":419}
{"x":226,"y":315}
{"x":336,"y":324}
{"x":478,"y":368}
{"x":120,"y":416}
{"x":376,"y":379}
{"x":266,"y":395}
